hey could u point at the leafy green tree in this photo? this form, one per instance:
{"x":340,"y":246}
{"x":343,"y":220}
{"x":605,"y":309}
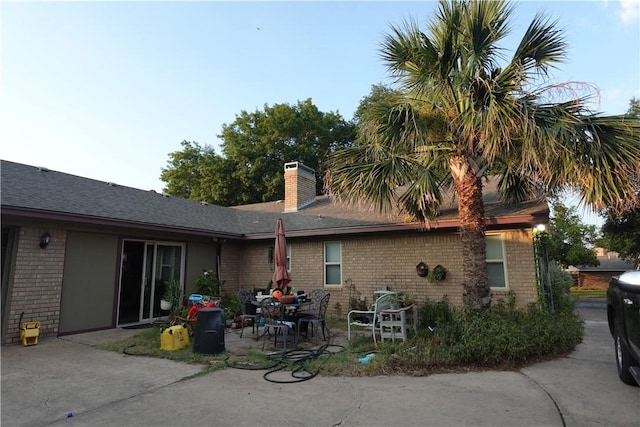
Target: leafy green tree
{"x":570,"y":238}
{"x":463,"y":110}
{"x":183,"y":173}
{"x":198,"y":173}
{"x":622,"y":234}
{"x":634,"y":108}
{"x":260,"y":143}
{"x":379,"y":94}
{"x":255,"y":148}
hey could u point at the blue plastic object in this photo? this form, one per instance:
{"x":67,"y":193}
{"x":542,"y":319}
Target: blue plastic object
{"x":364,"y":360}
{"x":196,"y":297}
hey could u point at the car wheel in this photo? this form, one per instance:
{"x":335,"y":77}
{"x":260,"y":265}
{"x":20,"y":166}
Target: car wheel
{"x":624,"y":360}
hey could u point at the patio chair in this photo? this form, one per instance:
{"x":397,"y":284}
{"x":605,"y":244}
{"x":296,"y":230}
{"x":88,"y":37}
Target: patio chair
{"x":249,"y":310}
{"x":370,"y":319}
{"x":315,"y":296}
{"x":316,"y":320}
{"x":271,"y":311}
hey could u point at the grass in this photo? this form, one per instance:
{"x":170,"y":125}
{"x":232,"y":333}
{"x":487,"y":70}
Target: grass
{"x":459,"y":340}
{"x":146,"y":343}
{"x":588,"y":293}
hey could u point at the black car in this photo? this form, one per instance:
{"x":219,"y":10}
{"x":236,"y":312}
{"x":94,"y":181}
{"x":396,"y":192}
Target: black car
{"x":623,"y":314}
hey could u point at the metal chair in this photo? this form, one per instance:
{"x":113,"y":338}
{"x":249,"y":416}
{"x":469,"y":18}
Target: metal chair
{"x":271,"y":311}
{"x":248,"y":308}
{"x":315,"y":296}
{"x":370,"y":319}
{"x":316,"y":320}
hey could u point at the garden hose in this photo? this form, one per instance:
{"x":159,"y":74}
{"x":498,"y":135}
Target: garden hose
{"x":291,"y":358}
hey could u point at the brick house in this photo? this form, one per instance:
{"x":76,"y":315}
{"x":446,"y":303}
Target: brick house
{"x":598,"y":277}
{"x":113,"y":248}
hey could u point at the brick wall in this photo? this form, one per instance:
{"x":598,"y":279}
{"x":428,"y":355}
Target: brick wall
{"x":368,"y":263}
{"x":299,"y":186}
{"x":521,"y":273}
{"x":252,"y":268}
{"x":37,"y":282}
{"x":596,"y":279}
{"x":231,"y":262}
{"x":371,"y":262}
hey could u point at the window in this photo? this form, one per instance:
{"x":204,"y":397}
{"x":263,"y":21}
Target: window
{"x":332,"y":263}
{"x":495,"y":261}
{"x":271,"y":255}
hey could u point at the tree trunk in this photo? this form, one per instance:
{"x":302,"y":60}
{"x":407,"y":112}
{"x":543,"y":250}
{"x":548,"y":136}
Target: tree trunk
{"x":475,"y":282}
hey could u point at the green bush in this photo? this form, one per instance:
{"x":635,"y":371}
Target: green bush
{"x":208,"y":284}
{"x":231,"y":306}
{"x":432,"y":313}
{"x":561,"y":283}
{"x":502,"y":337}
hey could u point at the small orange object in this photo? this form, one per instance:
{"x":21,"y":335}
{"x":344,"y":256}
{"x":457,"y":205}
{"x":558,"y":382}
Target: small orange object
{"x":277,"y":293}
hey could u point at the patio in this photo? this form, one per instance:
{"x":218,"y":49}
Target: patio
{"x":233,"y":342}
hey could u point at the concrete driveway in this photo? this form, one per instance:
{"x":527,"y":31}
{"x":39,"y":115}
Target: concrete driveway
{"x":42,"y":384}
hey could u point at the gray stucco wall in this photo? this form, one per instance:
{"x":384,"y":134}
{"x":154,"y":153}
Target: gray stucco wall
{"x":200,"y":256}
{"x":89,"y":281}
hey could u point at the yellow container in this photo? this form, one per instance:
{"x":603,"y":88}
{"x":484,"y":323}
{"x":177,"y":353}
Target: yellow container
{"x":29,"y":333}
{"x":174,"y":338}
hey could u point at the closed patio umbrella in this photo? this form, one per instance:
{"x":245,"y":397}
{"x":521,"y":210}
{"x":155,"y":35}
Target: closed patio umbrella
{"x":281,"y":276}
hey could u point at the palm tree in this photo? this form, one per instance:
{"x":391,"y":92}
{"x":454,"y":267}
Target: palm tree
{"x":458,"y":115}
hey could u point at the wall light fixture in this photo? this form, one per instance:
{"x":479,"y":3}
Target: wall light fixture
{"x":45,"y":239}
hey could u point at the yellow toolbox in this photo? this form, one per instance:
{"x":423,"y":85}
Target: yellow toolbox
{"x":174,"y":338}
{"x":29,"y":333}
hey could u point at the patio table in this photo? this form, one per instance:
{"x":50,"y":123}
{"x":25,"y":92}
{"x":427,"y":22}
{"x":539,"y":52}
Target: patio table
{"x":288,"y":312}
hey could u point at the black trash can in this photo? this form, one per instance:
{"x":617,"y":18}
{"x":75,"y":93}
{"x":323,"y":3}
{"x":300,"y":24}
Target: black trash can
{"x":209,"y":336}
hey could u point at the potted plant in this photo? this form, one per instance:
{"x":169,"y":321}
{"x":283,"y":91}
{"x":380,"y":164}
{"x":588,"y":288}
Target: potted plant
{"x":172,"y":297}
{"x":230,"y":307}
{"x":404,"y":300}
{"x":438,"y":274}
{"x":208,"y":284}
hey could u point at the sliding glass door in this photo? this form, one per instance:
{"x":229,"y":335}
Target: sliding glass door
{"x":147,"y":269}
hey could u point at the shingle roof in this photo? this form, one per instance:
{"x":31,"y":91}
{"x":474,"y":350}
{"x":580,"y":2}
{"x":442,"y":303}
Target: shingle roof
{"x":607,"y":264}
{"x":329,"y":214}
{"x":34,"y":189}
{"x":29,"y":189}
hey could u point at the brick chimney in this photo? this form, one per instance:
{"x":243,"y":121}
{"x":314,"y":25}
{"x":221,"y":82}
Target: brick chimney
{"x":299,"y":186}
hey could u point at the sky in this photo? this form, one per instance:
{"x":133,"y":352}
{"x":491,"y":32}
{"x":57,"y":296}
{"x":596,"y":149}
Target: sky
{"x":107,"y":90}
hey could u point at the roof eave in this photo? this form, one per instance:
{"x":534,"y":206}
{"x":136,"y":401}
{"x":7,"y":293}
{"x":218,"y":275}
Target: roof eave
{"x":446,"y":225}
{"x":89,"y":220}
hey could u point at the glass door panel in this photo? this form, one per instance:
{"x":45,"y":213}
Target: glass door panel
{"x":168,"y":268}
{"x":156,"y":264}
{"x":148,"y":280}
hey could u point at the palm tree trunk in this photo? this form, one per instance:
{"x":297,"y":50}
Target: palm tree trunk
{"x":475,"y":283}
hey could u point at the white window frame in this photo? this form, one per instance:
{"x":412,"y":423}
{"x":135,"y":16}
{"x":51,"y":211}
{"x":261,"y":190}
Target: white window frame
{"x":327,"y":263}
{"x":502,"y":260}
{"x":288,"y":257}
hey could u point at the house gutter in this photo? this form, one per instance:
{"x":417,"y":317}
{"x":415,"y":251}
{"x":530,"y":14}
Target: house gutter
{"x":83,"y":219}
{"x":436,"y":226}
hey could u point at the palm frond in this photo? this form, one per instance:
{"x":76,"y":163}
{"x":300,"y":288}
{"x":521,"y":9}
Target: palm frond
{"x":483,"y":26}
{"x":515,"y":187}
{"x":422,"y":198}
{"x":542,"y":45}
{"x":596,"y":155}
